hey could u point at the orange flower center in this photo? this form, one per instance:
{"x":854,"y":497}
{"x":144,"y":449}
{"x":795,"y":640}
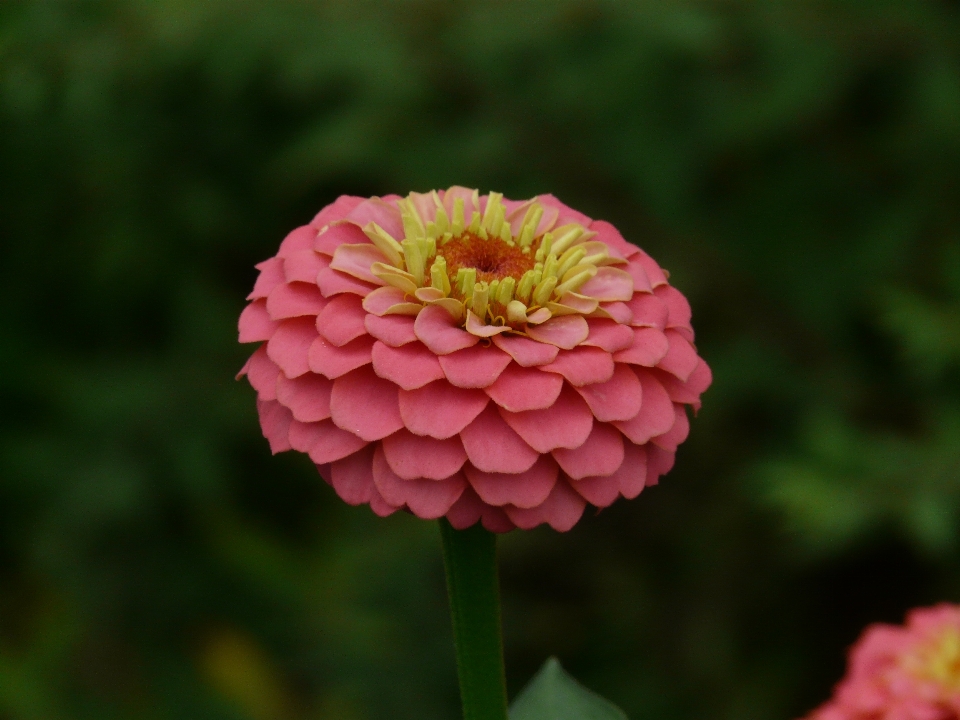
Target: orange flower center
{"x":491,"y":260}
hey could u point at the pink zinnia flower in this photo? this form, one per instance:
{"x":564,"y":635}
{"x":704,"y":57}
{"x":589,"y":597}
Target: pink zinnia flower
{"x":902,"y":673}
{"x":472,"y":357}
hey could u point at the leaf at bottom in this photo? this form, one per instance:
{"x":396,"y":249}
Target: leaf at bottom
{"x":555,"y":695}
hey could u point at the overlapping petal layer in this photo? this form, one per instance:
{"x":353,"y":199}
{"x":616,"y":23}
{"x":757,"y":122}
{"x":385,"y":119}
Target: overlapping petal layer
{"x":472,"y":357}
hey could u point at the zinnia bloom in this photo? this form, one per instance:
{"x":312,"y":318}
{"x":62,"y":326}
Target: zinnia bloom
{"x":472,"y":357}
{"x":902,"y":673}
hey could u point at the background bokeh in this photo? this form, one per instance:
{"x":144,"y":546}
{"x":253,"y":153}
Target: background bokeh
{"x":796,"y":166}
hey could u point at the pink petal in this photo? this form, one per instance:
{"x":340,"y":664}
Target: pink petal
{"x":700,"y":379}
{"x":650,"y":267}
{"x":255,"y":324}
{"x":527,"y":489}
{"x":384,"y":214}
{"x":297,"y":240}
{"x":610,"y":284}
{"x":656,"y":414}
{"x":290,"y":344}
{"x":439,"y":409}
{"x":410,"y":366}
{"x":519,"y":388}
{"x":333,"y":283}
{"x":493,"y":446}
{"x":294,"y":300}
{"x":648,"y":311}
{"x":356,"y":260}
{"x":616,"y":311}
{"x":307,"y":396}
{"x":567,"y":423}
{"x":628,"y":480}
{"x":333,"y":443}
{"x":677,"y":306}
{"x":470,"y":508}
{"x":561,"y":510}
{"x":342,"y":233}
{"x":393,"y":330}
{"x":600,"y":454}
{"x":495,"y":520}
{"x":524,"y":351}
{"x":474,"y":367}
{"x":649,"y":347}
{"x":511,"y":206}
{"x":547,"y":221}
{"x":304,"y":436}
{"x":337,"y":210}
{"x":581,"y":303}
{"x":608,"y":335}
{"x":681,"y":358}
{"x":690,"y":391}
{"x":332,"y":361}
{"x":659,"y":462}
{"x":275,"y":422}
{"x":600,"y":491}
{"x":565,"y":332}
{"x":352,"y":477}
{"x":271,"y":275}
{"x":467,"y":511}
{"x":324,"y":471}
{"x":380,"y":506}
{"x":583,"y":366}
{"x":342,"y":320}
{"x":619,"y":398}
{"x":427,"y":499}
{"x":608,"y":234}
{"x":365,"y":405}
{"x":641,"y":283}
{"x":566,"y":214}
{"x":437,"y":329}
{"x":477,"y":327}
{"x":463,"y":193}
{"x":671,"y":439}
{"x":633,"y":472}
{"x":304,"y":266}
{"x":379,"y":301}
{"x":415,"y":457}
{"x":425,"y":206}
{"x":262,"y":373}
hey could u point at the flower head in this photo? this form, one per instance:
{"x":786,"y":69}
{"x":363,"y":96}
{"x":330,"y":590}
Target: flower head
{"x":907,"y":672}
{"x":472,"y":357}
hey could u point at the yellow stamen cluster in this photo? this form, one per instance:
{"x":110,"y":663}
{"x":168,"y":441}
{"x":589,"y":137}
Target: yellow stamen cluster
{"x":938,"y":659}
{"x":470,"y":262}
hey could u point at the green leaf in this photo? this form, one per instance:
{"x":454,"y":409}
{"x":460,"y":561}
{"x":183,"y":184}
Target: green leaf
{"x":555,"y":695}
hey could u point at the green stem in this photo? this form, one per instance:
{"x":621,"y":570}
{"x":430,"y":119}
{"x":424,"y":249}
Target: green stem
{"x":470,"y":558}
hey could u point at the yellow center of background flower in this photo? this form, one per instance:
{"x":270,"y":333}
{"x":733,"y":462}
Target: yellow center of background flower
{"x":937,"y":659}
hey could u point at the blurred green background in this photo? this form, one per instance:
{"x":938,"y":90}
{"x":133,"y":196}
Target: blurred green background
{"x":796,"y":166}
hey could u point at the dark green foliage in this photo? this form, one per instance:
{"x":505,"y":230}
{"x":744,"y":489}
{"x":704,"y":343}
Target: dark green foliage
{"x":796,"y":165}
